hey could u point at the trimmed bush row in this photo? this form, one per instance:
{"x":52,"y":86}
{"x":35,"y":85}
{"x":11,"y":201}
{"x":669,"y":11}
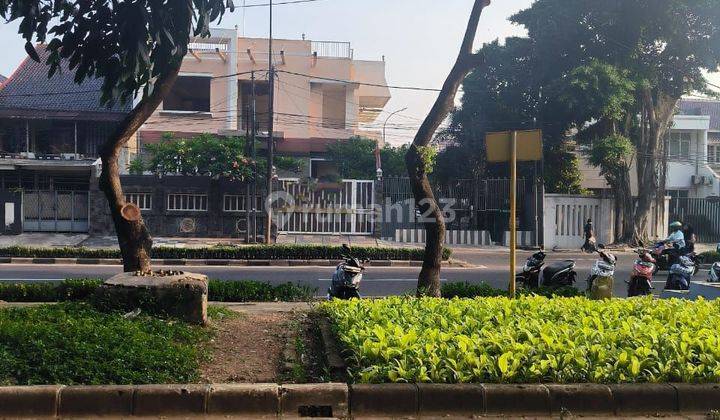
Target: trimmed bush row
{"x":529,"y":340}
{"x":471,"y":291}
{"x":250,"y":252}
{"x":710,"y":257}
{"x":219,"y":291}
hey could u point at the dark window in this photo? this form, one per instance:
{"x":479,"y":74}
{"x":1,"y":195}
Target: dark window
{"x":678,"y":193}
{"x":12,"y":136}
{"x":52,"y":137}
{"x":189,"y":93}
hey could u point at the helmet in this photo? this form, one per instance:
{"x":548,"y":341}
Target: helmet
{"x":676,"y":225}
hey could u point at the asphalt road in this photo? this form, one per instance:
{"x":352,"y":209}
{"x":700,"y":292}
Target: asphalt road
{"x":489,"y":267}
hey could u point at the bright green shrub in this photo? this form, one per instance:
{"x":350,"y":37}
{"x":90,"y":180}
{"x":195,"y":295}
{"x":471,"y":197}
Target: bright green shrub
{"x":529,"y":339}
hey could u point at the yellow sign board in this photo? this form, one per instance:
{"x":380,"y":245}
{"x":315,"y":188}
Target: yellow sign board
{"x":529,"y":146}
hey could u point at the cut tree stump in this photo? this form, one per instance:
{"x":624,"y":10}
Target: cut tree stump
{"x":167,"y":294}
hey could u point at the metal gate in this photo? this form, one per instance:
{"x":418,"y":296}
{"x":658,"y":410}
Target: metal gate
{"x":343,"y":208}
{"x":56,"y":211}
{"x":703,"y":214}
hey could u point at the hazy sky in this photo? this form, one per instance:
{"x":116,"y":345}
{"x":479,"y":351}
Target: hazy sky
{"x":419,"y":38}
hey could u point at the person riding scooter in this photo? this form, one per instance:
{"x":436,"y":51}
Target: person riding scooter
{"x":673,"y":247}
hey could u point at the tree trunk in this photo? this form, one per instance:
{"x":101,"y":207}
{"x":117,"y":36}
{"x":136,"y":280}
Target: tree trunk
{"x":133,"y":237}
{"x":429,"y":279}
{"x":624,"y":199}
{"x":658,"y":110}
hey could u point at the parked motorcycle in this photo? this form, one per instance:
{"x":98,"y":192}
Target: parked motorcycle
{"x":714,"y":275}
{"x":347,"y":277}
{"x":681,"y":274}
{"x":559,"y":274}
{"x":640,"y":283}
{"x":601,"y":280}
{"x":529,"y":278}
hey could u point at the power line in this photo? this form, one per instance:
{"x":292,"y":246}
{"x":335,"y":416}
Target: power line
{"x":349,"y":82}
{"x":280,"y":3}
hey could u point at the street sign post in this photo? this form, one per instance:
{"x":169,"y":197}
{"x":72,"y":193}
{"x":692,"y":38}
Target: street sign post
{"x":511,"y":147}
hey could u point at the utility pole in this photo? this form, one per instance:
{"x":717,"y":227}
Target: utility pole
{"x":247,"y":121}
{"x":253,"y":156}
{"x":513,"y":211}
{"x":270,"y":144}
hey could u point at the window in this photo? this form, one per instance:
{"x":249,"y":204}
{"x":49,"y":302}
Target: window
{"x":334,"y":107}
{"x":236,"y":203}
{"x":713,"y":153}
{"x":142,"y":200}
{"x":321,"y":169}
{"x":187,"y":202}
{"x":679,"y":144}
{"x":189,"y":94}
{"x":678,"y":193}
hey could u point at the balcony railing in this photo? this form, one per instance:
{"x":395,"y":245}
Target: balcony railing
{"x":332,"y":49}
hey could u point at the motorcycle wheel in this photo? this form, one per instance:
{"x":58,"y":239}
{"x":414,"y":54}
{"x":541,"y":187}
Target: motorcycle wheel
{"x":352,"y":294}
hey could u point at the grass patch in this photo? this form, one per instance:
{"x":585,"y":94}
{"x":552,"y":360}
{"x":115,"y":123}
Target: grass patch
{"x":529,"y":339}
{"x":71,"y":343}
{"x":249,"y":252}
{"x":218,"y":291}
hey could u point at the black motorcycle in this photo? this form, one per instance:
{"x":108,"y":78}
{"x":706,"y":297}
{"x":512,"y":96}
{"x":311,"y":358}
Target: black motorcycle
{"x":535,"y":273}
{"x":529,"y":278}
{"x":559,"y":274}
{"x":347,"y":277}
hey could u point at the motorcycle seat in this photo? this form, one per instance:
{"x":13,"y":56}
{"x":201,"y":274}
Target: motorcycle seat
{"x":555,"y":268}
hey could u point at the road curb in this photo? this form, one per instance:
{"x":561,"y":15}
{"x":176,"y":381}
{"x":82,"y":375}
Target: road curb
{"x":339,"y":400}
{"x":215,"y":263}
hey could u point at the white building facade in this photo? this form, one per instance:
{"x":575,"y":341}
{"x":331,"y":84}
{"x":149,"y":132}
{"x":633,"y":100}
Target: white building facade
{"x":693,"y":154}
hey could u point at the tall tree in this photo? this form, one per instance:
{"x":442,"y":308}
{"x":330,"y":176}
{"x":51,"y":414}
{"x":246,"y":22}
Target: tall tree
{"x":137,"y":48}
{"x":665,"y":44}
{"x":600,"y":98}
{"x":501,"y":95}
{"x":418,"y":156}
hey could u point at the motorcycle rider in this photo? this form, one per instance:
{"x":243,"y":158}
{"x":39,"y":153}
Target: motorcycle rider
{"x":677,"y":242}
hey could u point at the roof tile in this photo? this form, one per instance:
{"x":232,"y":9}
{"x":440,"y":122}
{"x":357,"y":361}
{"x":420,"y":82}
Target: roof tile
{"x":707,"y":107}
{"x":30,"y":88}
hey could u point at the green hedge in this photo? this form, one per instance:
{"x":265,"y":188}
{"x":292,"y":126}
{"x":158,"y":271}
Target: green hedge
{"x":250,"y":252}
{"x":529,"y":340}
{"x":468,"y":290}
{"x":68,"y":290}
{"x":219,"y":291}
{"x":710,"y":257}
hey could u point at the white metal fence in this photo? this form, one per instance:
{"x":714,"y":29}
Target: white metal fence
{"x":343,"y":208}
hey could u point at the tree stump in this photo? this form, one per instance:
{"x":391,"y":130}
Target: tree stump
{"x":165,"y":293}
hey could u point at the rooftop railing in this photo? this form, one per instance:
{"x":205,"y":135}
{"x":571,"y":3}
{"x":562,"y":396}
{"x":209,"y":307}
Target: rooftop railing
{"x":332,"y":49}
